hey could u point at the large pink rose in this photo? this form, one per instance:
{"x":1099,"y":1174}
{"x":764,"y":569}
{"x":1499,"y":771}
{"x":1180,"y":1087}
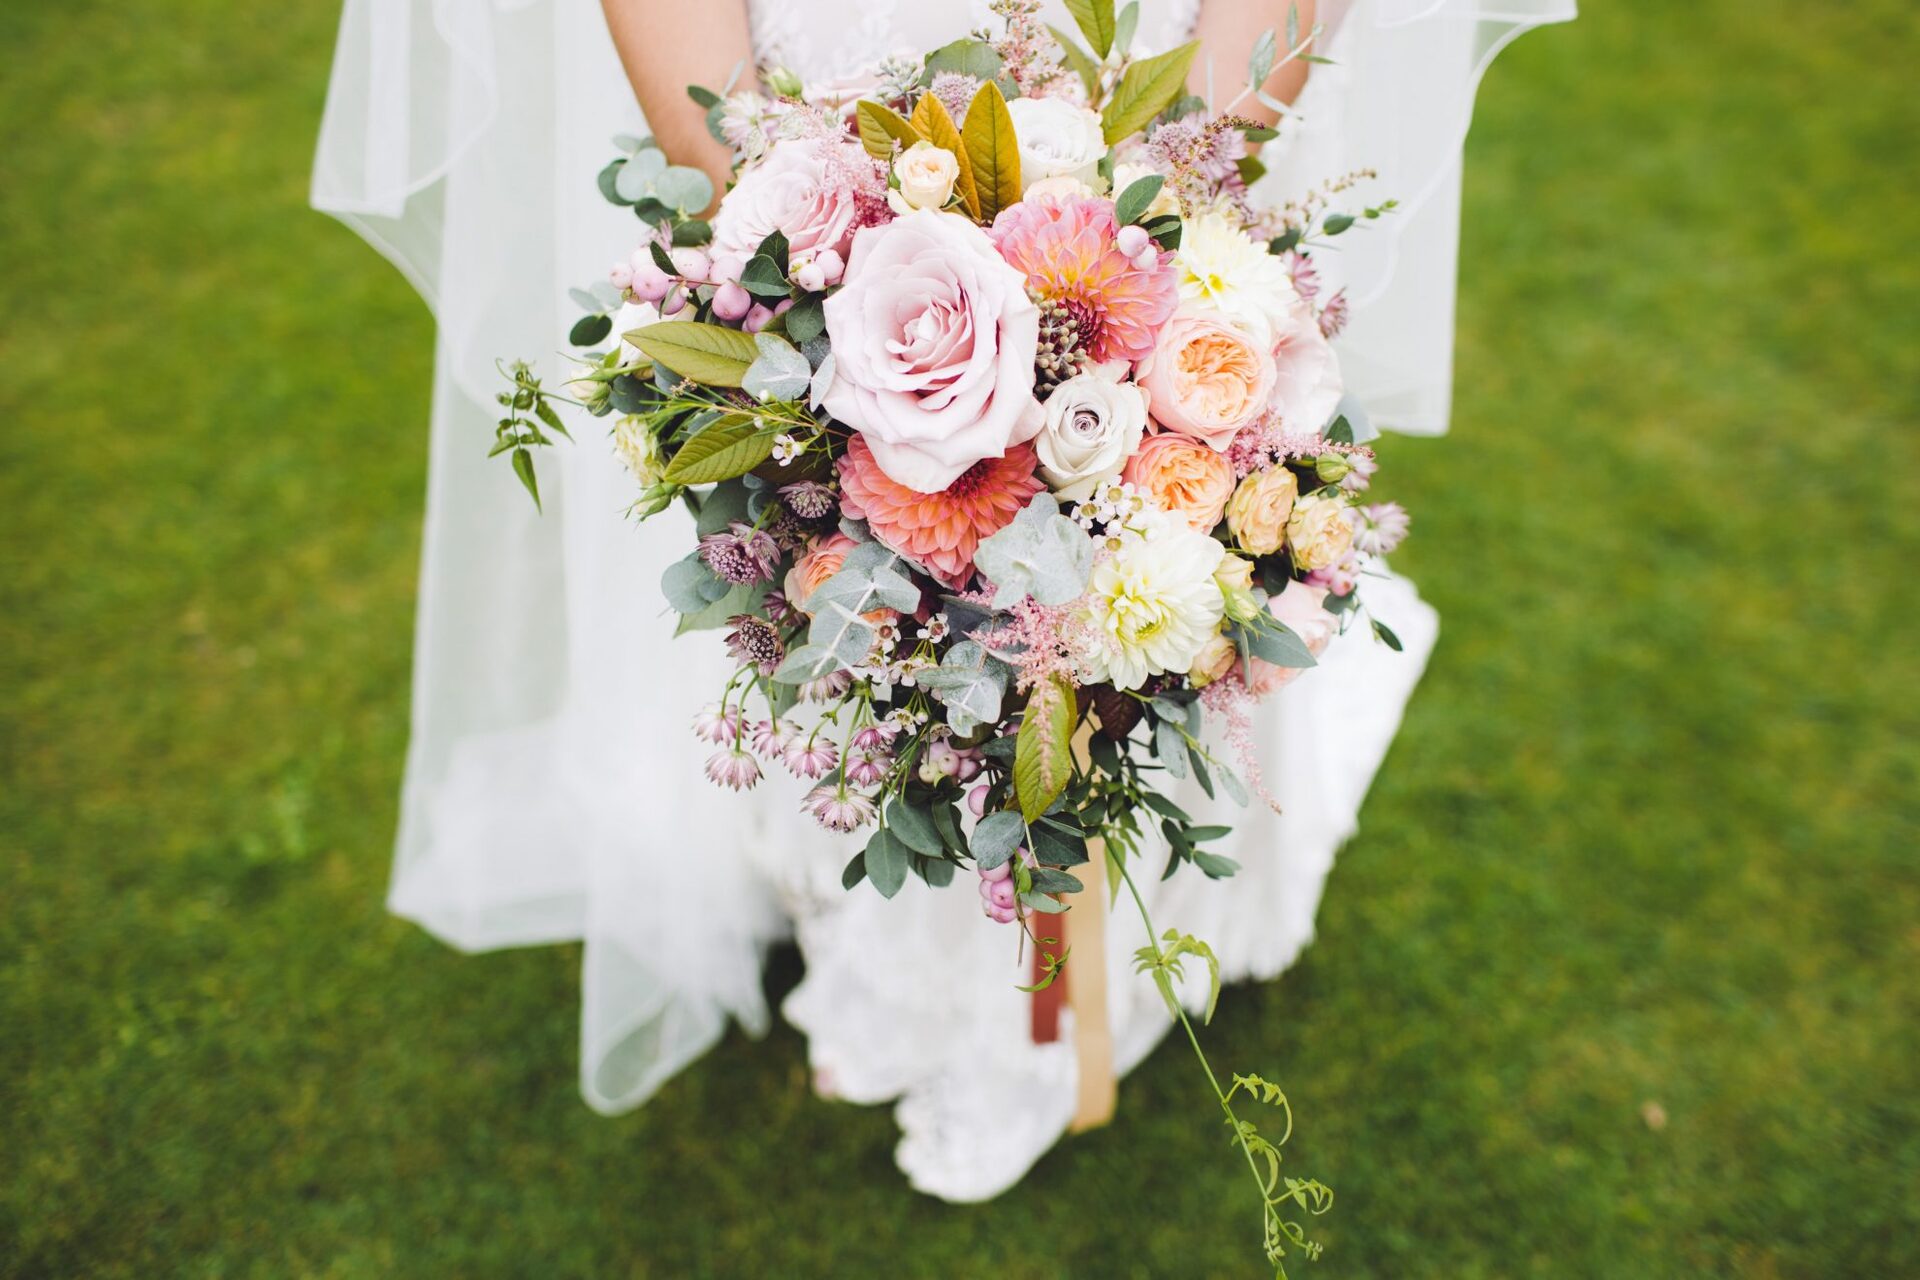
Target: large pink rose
{"x":934,"y":339}
{"x":1307,"y":383}
{"x":1206,"y":377}
{"x":799,"y":189}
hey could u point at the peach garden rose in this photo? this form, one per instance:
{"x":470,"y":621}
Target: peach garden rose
{"x":1206,"y":377}
{"x":1258,"y":511}
{"x":1183,"y":477}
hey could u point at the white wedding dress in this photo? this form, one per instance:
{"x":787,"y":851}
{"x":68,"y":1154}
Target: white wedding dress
{"x":552,"y":790}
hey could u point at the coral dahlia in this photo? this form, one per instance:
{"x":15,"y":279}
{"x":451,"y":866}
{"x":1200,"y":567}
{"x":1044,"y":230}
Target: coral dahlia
{"x":1069,"y":253}
{"x":939,"y":531}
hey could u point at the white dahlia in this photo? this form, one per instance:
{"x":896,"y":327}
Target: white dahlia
{"x":1223,"y":267}
{"x":1153,"y":605}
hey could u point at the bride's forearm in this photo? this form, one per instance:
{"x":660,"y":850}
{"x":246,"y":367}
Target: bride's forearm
{"x":1227,"y":30}
{"x":666,"y":45}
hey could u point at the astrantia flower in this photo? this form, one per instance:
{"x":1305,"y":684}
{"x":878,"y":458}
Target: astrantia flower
{"x":755,"y":641}
{"x":865,"y":767}
{"x":811,"y":759}
{"x":808,"y":499}
{"x":838,"y":809}
{"x":733,"y":769}
{"x":1380,"y":527}
{"x":1223,"y":267}
{"x":940,"y":531}
{"x":1067,"y":251}
{"x":741,"y":553}
{"x":722,"y":728}
{"x":828,"y":688}
{"x":771,"y":737}
{"x":1153,"y":605}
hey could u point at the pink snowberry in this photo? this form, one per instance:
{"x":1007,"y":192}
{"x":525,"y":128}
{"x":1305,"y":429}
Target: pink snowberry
{"x":691,"y":263}
{"x":1131,"y":241}
{"x":731,"y":302}
{"x":649,"y":283}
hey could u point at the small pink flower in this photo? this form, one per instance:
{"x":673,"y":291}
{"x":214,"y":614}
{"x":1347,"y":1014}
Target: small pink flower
{"x":811,"y":760}
{"x":838,"y":809}
{"x":1380,"y":527}
{"x":718,"y":727}
{"x":771,"y":737}
{"x":733,"y":769}
{"x":865,"y":768}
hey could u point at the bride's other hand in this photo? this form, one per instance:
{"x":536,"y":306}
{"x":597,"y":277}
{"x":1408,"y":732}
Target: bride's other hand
{"x":1227,"y":30}
{"x":666,"y":45}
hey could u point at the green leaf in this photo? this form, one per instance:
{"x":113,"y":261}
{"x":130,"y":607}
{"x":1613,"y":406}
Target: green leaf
{"x":880,"y":127}
{"x":738,"y":599}
{"x":1171,"y":747}
{"x":1341,"y":432}
{"x":523,"y":467}
{"x":703,"y":95}
{"x":1385,"y":634}
{"x":1077,"y":60}
{"x":807,"y":320}
{"x":855,"y":872}
{"x":1125,"y":25}
{"x":1049,"y":880}
{"x":692,"y":232}
{"x":996,"y":837}
{"x":684,"y":188}
{"x":1134,"y":200}
{"x":931,"y":119}
{"x":967,"y":56}
{"x":1274,"y":642}
{"x":993,"y":152}
{"x":588,"y":330}
{"x":1043,"y":757}
{"x":733,"y":446}
{"x":886,"y":860}
{"x":1145,"y":90}
{"x":1095,"y":19}
{"x":709,"y":353}
{"x":914,"y":828}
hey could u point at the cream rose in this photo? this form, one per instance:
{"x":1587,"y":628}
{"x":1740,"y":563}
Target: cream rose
{"x":1094,"y":423}
{"x":1206,"y":377}
{"x":795,"y":191}
{"x":1258,"y":511}
{"x":1319,"y":532}
{"x":934,"y":340}
{"x":926,"y":174}
{"x":1057,"y":139}
{"x":1215,"y":660}
{"x":1235,"y":580}
{"x":1183,"y":477}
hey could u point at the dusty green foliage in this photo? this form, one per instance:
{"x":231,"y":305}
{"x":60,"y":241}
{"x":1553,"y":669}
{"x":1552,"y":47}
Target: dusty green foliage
{"x":1620,"y":977}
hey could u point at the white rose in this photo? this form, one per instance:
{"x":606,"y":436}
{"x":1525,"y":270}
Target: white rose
{"x":1057,"y":138}
{"x":1094,"y":423}
{"x":927,"y":175}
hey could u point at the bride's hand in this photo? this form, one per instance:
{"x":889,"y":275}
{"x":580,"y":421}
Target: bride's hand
{"x":1226,"y":31}
{"x":666,"y":45}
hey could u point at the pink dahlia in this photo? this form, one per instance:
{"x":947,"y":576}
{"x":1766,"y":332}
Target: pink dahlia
{"x":940,"y":531}
{"x":1068,"y":249}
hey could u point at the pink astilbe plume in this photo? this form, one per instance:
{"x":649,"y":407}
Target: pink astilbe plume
{"x":1039,"y":641}
{"x":1231,"y":700}
{"x":1067,"y":250}
{"x":940,"y":531}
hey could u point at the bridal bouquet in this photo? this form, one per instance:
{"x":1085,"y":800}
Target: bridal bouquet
{"x":1016,"y":450}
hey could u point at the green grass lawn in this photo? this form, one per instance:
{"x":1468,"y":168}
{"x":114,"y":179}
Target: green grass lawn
{"x":1646,"y":846}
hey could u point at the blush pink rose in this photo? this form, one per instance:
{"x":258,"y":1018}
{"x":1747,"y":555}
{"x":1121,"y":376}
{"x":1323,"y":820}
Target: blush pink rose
{"x":1206,"y":377}
{"x":1302,"y":609}
{"x":934,"y":340}
{"x":801,"y":190}
{"x":1307,"y":385}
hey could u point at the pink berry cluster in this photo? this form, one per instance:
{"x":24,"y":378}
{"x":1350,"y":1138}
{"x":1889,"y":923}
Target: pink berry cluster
{"x":641,"y":279}
{"x":997,"y":894}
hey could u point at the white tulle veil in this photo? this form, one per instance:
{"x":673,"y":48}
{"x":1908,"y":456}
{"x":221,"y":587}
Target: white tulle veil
{"x":552,"y":791}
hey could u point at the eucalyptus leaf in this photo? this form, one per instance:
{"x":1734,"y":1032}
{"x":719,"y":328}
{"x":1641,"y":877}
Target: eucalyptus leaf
{"x":1170,"y":747}
{"x":682,"y":187}
{"x":684,"y":584}
{"x":970,"y":682}
{"x":779,"y":372}
{"x":1040,"y":553}
{"x":996,"y":837}
{"x":635,"y":180}
{"x":1274,"y":642}
{"x":584,"y":300}
{"x":886,"y":862}
{"x":968,"y":57}
{"x":1260,"y":61}
{"x":739,"y":599}
{"x":914,"y":828}
{"x":804,"y":663}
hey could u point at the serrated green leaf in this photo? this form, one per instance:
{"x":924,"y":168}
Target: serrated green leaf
{"x":733,"y":446}
{"x":1145,"y":90}
{"x":880,"y":127}
{"x":1095,"y":20}
{"x":1043,"y":756}
{"x":993,"y":152}
{"x":708,"y":353}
